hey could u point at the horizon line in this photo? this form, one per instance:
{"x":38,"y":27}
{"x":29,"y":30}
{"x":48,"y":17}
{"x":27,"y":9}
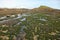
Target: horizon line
{"x":24,"y":7}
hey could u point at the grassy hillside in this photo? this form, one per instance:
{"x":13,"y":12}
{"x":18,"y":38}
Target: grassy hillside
{"x":42,"y":23}
{"x":41,"y":9}
{"x":6,"y":11}
{"x":38,"y":26}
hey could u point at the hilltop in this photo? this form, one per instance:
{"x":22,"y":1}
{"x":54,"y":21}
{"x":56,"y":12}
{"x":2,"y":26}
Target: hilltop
{"x":45,"y":9}
{"x":41,"y":9}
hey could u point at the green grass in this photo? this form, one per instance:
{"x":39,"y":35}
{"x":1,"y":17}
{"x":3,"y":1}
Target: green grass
{"x":34,"y":26}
